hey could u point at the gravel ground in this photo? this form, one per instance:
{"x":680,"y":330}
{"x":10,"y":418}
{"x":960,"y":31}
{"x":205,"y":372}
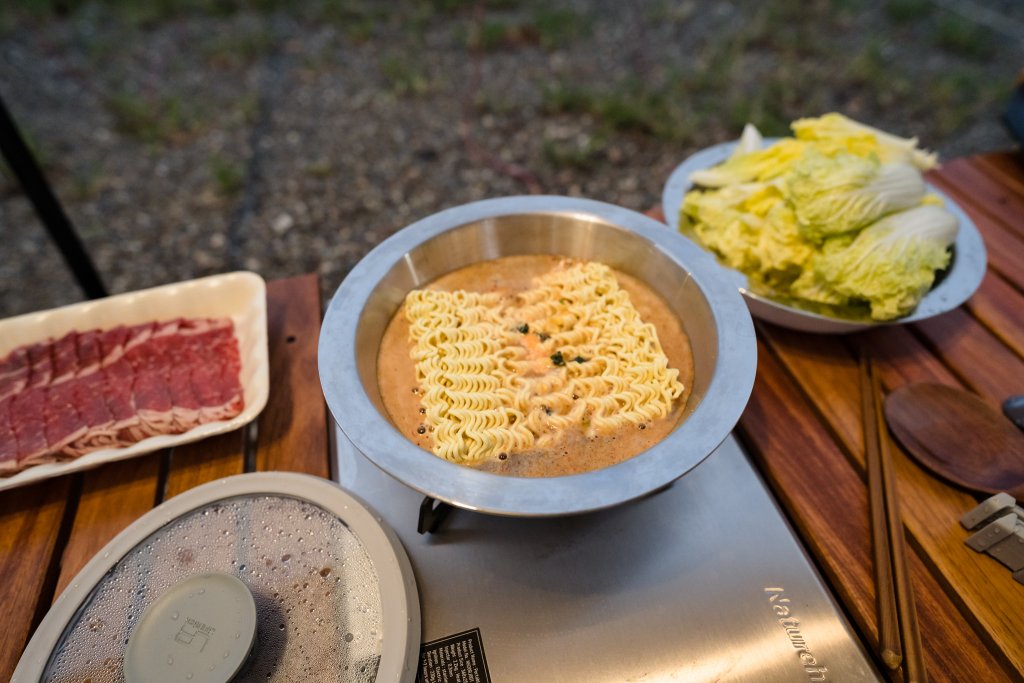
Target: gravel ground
{"x":285,"y":142}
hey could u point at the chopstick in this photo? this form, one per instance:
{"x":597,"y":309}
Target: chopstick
{"x":899,"y":638}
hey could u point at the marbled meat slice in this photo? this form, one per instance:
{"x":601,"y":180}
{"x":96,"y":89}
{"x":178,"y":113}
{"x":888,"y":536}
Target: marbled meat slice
{"x":62,"y":421}
{"x":215,"y":368}
{"x":88,"y":394}
{"x":151,"y":368}
{"x":26,"y":411}
{"x":88,"y":390}
{"x":65,"y":358}
{"x":168,"y":344}
{"x":40,"y":360}
{"x":87,"y":348}
{"x":14,"y":371}
{"x":117,"y":386}
{"x":112,"y":344}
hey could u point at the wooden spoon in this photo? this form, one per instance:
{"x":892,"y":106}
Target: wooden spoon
{"x":959,"y":437}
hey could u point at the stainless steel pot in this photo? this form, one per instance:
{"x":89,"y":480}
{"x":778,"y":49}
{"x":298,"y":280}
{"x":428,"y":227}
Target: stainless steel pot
{"x":711,"y":310}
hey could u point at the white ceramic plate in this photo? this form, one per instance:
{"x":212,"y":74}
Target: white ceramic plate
{"x":961,"y":280}
{"x":240,"y":296}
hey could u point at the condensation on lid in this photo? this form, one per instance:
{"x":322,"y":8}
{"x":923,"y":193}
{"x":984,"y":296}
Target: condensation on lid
{"x":316,"y":593}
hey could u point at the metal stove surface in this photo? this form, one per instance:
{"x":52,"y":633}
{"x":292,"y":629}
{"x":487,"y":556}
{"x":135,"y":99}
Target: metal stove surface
{"x":701,"y":581}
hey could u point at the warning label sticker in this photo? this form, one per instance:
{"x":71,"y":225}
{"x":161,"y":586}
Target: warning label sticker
{"x":454,"y":659}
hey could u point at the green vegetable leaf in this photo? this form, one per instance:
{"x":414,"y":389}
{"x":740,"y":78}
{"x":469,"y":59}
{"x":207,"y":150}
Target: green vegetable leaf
{"x":891,"y":264}
{"x":840,"y":194}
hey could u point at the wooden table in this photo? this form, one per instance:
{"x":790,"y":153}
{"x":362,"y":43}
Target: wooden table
{"x":48,"y":531}
{"x":802,"y":429}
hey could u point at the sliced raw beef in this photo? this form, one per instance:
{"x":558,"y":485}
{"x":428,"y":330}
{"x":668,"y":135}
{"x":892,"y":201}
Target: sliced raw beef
{"x":87,"y":348}
{"x":27,"y":408}
{"x":117,"y":385}
{"x":112,"y":344}
{"x":88,"y":397}
{"x":61,"y":420}
{"x":172,"y":347}
{"x":65,"y":358}
{"x":14,"y":371}
{"x":151,"y":369}
{"x":215,"y":365}
{"x":40,"y":361}
{"x":112,"y":388}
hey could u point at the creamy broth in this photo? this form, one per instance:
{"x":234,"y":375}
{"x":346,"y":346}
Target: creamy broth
{"x":574,"y":452}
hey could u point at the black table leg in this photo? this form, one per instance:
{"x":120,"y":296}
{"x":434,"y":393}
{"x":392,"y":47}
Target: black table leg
{"x":49,"y":210}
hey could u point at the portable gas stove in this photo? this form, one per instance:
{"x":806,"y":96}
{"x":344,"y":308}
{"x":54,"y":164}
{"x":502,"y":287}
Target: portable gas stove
{"x":703,"y":580}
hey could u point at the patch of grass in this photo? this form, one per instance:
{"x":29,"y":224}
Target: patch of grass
{"x":228,"y":175}
{"x":247,"y":108}
{"x":580,"y":153}
{"x":563,"y":97}
{"x":505,"y":5}
{"x":87,"y":181}
{"x":164,"y":120}
{"x":629,"y":106}
{"x":957,"y":96}
{"x":357,"y":19}
{"x":452,"y":5}
{"x":557,"y":26}
{"x":145,"y":15}
{"x":846,"y":8}
{"x":404,"y":76}
{"x":963,"y":37}
{"x":792,"y":27}
{"x":671,"y":11}
{"x":548,"y":27}
{"x":715,"y":65}
{"x":490,"y":34}
{"x":137,"y":14}
{"x":232,"y":49}
{"x":491,"y":102}
{"x":907,"y":11}
{"x":870,"y":67}
{"x":761,"y":109}
{"x":496,"y":34}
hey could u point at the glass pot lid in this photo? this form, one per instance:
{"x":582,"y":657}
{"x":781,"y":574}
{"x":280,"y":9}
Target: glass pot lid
{"x":257,"y":577}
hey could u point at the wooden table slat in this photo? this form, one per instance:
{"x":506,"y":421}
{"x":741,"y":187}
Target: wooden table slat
{"x":974,"y":354}
{"x":1004,"y":247}
{"x":999,"y":306}
{"x":30,"y":527}
{"x":293,"y":428}
{"x":989,"y":193}
{"x":113,"y":496}
{"x":1005,"y":169}
{"x":204,"y":461}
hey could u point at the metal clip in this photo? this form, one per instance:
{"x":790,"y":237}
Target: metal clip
{"x":992,"y":533}
{"x":998,"y":526}
{"x":988,"y":510}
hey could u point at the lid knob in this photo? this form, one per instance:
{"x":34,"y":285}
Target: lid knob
{"x":199,"y":631}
